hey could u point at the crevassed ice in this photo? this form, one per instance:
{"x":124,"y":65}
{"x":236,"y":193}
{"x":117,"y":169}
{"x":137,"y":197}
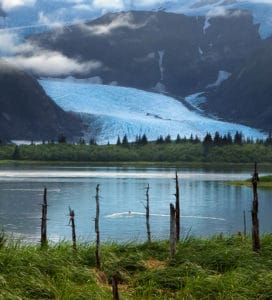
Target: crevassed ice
{"x":118,"y":111}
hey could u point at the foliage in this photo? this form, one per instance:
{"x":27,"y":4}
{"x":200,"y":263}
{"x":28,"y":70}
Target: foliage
{"x":214,"y":268}
{"x":163,"y":150}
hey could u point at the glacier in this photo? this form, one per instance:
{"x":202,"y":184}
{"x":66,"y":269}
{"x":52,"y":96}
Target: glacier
{"x":109,"y":111}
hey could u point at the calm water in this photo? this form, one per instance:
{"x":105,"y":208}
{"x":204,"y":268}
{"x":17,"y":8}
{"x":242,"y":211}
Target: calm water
{"x":208,"y":205}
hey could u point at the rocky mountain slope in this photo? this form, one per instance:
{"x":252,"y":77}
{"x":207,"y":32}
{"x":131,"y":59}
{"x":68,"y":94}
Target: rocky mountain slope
{"x":158,"y":50}
{"x":179,"y":55}
{"x":26,"y":112}
{"x":247,"y":95}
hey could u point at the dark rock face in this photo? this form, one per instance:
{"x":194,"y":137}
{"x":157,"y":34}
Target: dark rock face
{"x":247,"y":95}
{"x":128,"y":45}
{"x":184,"y":54}
{"x":26,"y":112}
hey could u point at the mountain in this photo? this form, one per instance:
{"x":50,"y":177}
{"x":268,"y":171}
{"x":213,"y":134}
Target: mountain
{"x":158,"y":50}
{"x":26,"y":112}
{"x":247,"y":95}
{"x":28,"y":16}
{"x":182,"y":48}
{"x":179,"y":55}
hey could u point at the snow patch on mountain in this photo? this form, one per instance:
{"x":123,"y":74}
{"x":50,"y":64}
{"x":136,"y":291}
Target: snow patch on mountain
{"x":222,"y":76}
{"x":196,"y":100}
{"x":117,"y":111}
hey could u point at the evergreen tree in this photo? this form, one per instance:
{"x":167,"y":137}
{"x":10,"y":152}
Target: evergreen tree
{"x":178,"y":139}
{"x":229,"y":139}
{"x":238,"y":138}
{"x":217,"y":140}
{"x":118,"y":143}
{"x":160,"y":140}
{"x":168,"y":139}
{"x":125,"y":140}
{"x":144,"y":140}
{"x":208,"y":139}
{"x":16,"y":153}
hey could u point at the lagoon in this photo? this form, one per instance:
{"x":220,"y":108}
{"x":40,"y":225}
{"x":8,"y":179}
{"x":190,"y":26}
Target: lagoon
{"x":208,"y":205}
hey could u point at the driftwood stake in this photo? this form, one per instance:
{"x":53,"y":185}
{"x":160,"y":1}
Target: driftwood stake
{"x":72,"y":222}
{"x":97,"y":248}
{"x":44,"y":219}
{"x":177,"y":208}
{"x":147,"y":214}
{"x":245,"y":225}
{"x":254,"y":213}
{"x":115,"y":292}
{"x":172,"y":230}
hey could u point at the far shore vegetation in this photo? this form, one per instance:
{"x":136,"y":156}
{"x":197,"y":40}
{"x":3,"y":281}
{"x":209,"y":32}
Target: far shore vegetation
{"x":264,"y":182}
{"x":212,"y":149}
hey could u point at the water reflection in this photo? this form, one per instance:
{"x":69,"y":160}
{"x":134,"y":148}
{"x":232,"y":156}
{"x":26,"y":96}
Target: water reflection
{"x":208,"y":206}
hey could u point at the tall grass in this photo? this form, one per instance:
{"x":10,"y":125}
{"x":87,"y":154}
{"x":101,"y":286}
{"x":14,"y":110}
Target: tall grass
{"x":214,"y":268}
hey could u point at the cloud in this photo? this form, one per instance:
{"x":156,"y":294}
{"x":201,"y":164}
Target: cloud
{"x":124,"y":20}
{"x":29,"y":57}
{"x":11,"y":4}
{"x":108,"y":4}
{"x":51,"y":63}
{"x":44,"y":19}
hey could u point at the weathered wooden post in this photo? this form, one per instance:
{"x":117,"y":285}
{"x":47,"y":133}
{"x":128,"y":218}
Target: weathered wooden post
{"x":172,"y":230}
{"x":72,"y":222}
{"x":245,"y":225}
{"x":44,"y":219}
{"x":177,"y":208}
{"x":254,"y":212}
{"x":147,"y":214}
{"x":115,"y":292}
{"x":97,"y":248}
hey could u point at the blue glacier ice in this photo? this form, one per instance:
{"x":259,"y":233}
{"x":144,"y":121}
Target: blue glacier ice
{"x":117,"y":111}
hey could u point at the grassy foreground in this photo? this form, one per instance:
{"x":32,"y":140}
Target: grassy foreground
{"x":215,"y":268}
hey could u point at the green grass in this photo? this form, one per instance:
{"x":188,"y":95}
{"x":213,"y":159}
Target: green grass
{"x":264,"y":182}
{"x":214,"y":268}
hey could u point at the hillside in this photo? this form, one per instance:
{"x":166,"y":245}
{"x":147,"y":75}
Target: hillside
{"x":179,"y":55}
{"x":247,"y":95}
{"x":26,"y":112}
{"x":141,"y":49}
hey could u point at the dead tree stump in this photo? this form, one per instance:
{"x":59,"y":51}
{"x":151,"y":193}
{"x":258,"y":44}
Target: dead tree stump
{"x":177,"y":209}
{"x":256,"y":246}
{"x":147,"y":215}
{"x":44,"y":219}
{"x":73,"y":226}
{"x":115,"y":292}
{"x":172,"y":230}
{"x":97,"y":247}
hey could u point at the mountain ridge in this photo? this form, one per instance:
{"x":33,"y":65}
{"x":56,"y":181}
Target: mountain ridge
{"x":28,"y":113}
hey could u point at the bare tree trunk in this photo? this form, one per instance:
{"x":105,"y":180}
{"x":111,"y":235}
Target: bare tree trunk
{"x":44,"y":219}
{"x":97,"y":254}
{"x":172,"y":230}
{"x":245,"y":225}
{"x":254,"y":213}
{"x":72,"y":222}
{"x":147,"y":215}
{"x":115,"y":292}
{"x":177,"y":208}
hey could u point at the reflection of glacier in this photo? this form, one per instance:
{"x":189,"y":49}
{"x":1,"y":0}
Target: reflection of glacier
{"x":117,"y":111}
